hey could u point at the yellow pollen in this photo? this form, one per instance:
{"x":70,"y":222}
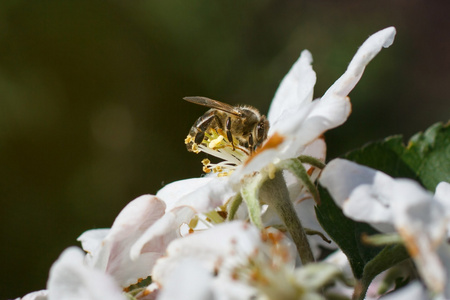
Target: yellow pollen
{"x":215,"y":142}
{"x":188,"y":139}
{"x":206,"y":169}
{"x":206,"y":162}
{"x":218,"y":169}
{"x":195,"y":148}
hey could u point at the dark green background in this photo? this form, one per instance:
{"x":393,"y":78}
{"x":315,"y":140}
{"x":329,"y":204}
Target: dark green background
{"x":91,"y":114}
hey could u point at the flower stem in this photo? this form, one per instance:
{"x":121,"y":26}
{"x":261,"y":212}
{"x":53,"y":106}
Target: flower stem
{"x":275,"y":193}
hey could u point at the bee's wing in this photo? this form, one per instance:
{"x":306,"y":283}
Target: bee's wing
{"x":213,"y":104}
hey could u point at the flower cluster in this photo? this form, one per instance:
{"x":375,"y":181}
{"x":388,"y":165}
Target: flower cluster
{"x":248,"y":229}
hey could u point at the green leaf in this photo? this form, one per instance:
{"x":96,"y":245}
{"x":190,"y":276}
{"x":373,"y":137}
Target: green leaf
{"x":388,"y":257}
{"x":426,"y":158}
{"x":428,"y":155}
{"x":346,"y":233}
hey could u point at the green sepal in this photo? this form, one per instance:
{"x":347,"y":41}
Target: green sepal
{"x":250,"y":195}
{"x":306,"y":159}
{"x":233,"y":206}
{"x":295,"y":166}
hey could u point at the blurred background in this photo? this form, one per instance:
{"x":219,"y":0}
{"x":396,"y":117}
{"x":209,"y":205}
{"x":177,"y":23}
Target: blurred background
{"x":91,"y":114}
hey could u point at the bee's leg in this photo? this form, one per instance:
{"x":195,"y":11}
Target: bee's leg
{"x":199,"y":136}
{"x":229,"y":135}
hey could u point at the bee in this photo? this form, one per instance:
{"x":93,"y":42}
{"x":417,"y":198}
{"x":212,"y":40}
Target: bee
{"x":242,"y":123}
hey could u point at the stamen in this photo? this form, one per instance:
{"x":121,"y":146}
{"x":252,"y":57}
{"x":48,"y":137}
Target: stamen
{"x":216,"y":143}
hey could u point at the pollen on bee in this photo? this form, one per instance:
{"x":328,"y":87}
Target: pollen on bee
{"x":188,"y":139}
{"x":195,"y":148}
{"x":213,"y":144}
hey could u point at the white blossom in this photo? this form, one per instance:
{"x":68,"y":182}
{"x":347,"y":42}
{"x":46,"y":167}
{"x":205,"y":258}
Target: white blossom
{"x":421,"y":218}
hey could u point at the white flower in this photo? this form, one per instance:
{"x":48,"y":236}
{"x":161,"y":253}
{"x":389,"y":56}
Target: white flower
{"x":107,"y":267}
{"x":297,"y":124}
{"x":388,"y":204}
{"x":203,"y":254}
{"x":235,"y":260}
{"x":71,"y":279}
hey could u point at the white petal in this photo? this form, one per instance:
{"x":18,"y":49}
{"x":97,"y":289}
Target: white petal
{"x":367,"y":51}
{"x":415,"y":210}
{"x":202,"y":194}
{"x":38,"y":295}
{"x":160,"y":234}
{"x":113,"y":255}
{"x":223,"y":244}
{"x":70,"y":279}
{"x":91,"y":239}
{"x":334,"y":107}
{"x":362,"y":192}
{"x":338,"y":258}
{"x":226,"y":288}
{"x":442,"y":195}
{"x":174,"y":191}
{"x":141,"y":212}
{"x":444,"y":254}
{"x":295,"y":89}
{"x":316,"y":149}
{"x":324,"y":114}
{"x":421,"y":222}
{"x":426,"y":259}
{"x":306,"y":213}
{"x":443,"y":191}
{"x":189,"y":280}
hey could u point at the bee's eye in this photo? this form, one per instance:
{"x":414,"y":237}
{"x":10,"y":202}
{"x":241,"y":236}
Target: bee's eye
{"x":260,"y":131}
